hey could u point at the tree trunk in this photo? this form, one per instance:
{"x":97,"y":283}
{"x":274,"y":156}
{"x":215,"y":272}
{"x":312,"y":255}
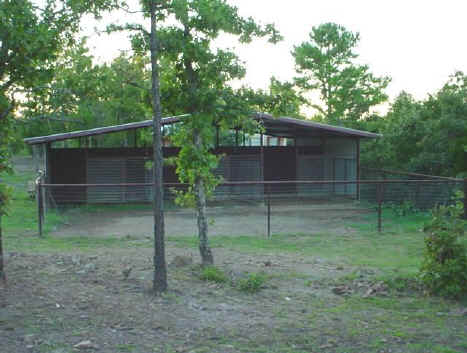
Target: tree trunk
{"x":204,"y":249}
{"x":160,"y":268}
{"x":2,"y":267}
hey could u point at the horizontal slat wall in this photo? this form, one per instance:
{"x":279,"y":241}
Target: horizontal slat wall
{"x":246,"y":167}
{"x":102,"y":171}
{"x":136,"y":172}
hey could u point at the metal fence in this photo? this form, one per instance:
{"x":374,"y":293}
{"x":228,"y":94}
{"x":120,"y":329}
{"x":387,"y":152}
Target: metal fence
{"x":267,"y":207}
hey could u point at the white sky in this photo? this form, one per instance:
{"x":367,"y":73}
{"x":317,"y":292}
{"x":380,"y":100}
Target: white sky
{"x":418,"y":43}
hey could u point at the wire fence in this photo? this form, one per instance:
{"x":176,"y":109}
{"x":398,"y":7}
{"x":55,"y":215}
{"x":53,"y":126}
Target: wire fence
{"x":256,"y":207}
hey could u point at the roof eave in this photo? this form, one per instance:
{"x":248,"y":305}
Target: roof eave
{"x":343,"y":131}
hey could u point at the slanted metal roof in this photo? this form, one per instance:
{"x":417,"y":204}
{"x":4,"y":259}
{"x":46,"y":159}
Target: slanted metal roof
{"x":282,"y":126}
{"x":100,"y":130}
{"x":285,"y":127}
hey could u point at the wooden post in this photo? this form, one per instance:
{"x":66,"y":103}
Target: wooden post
{"x":269,"y":210}
{"x":2,"y":264}
{"x":39,"y":205}
{"x":261,"y":160}
{"x":379,"y":195}
{"x":358,"y":170}
{"x":465,"y":198}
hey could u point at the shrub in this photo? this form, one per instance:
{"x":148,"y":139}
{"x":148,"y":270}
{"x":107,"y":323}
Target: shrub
{"x":444,"y":267}
{"x":213,"y":274}
{"x":253,"y":283}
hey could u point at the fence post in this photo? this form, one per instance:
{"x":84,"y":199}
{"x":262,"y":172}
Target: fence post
{"x":269,"y":209}
{"x":379,"y":195}
{"x":465,"y":198}
{"x":40,"y":205}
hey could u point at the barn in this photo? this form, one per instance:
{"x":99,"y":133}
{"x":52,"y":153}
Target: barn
{"x":287,"y":149}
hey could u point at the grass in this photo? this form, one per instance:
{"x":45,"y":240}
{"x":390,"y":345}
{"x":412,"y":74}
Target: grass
{"x":252,"y":283}
{"x":22,"y":214}
{"x":213,"y":274}
{"x":387,"y":250}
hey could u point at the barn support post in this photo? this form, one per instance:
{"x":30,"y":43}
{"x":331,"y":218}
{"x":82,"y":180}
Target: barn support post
{"x":379,"y":196}
{"x":47,"y":178}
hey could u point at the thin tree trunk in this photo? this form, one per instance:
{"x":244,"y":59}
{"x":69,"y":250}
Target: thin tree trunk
{"x":2,"y":267}
{"x":204,"y":249}
{"x":160,"y":268}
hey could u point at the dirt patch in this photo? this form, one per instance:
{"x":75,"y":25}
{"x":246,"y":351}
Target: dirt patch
{"x":233,"y":221}
{"x":55,"y":302}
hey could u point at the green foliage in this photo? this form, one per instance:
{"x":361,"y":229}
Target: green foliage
{"x":326,"y":63}
{"x":444,"y":268}
{"x":199,"y":81}
{"x":31,"y":40}
{"x":253,"y":283}
{"x":5,"y":198}
{"x":213,"y":274}
{"x":426,"y":136}
{"x":282,"y":98}
{"x":195,"y":162}
{"x":402,"y":209}
{"x":86,"y":95}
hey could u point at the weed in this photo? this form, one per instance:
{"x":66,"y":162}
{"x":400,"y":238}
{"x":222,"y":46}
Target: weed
{"x":253,"y":283}
{"x":213,"y":274}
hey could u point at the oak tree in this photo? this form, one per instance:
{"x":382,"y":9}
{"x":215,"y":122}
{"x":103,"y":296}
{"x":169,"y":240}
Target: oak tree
{"x":200,"y":87}
{"x":31,"y":37}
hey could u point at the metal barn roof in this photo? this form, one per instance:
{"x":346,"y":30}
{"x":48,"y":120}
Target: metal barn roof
{"x":282,"y":126}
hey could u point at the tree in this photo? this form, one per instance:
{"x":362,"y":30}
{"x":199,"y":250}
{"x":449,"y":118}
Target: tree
{"x":326,"y":63}
{"x":443,"y":134}
{"x":160,"y":272}
{"x":200,"y":87}
{"x":401,"y":129}
{"x":143,"y":41}
{"x":281,"y":98}
{"x":426,"y":136}
{"x":203,"y":74}
{"x":87,"y":95}
{"x":30,"y":40}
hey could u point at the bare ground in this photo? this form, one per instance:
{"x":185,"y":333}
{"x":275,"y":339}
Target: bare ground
{"x":248,"y":220}
{"x":55,"y":301}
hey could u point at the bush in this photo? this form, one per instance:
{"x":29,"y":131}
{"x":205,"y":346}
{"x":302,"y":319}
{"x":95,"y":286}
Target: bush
{"x":253,"y":283}
{"x":444,"y":267}
{"x":213,"y":274}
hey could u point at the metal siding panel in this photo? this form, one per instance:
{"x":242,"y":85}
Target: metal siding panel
{"x":106,"y":171}
{"x":136,"y":173}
